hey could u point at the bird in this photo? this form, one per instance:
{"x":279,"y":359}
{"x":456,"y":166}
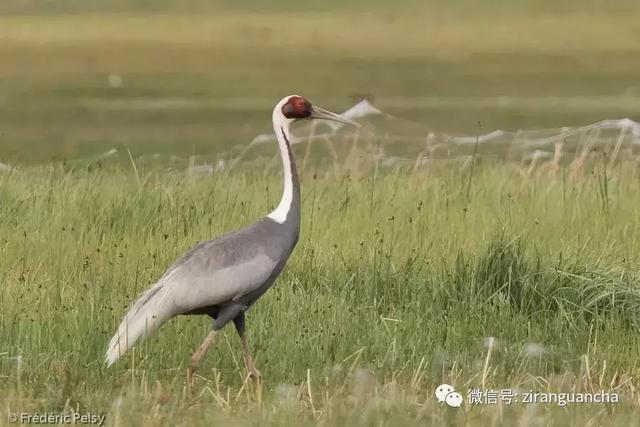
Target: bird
{"x":223,"y":277}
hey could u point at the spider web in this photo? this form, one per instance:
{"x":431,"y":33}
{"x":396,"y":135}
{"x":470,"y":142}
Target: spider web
{"x":385,"y":140}
{"x":391,"y":140}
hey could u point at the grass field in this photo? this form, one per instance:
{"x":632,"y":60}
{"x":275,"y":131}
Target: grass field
{"x":397,"y":285}
{"x":484,"y":277}
{"x":199,"y":83}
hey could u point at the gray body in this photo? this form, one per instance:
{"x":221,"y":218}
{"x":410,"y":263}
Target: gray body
{"x":221,"y":278}
{"x":234,"y":270}
{"x":251,"y":259}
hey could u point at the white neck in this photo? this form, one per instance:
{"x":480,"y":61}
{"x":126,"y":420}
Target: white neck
{"x":280,"y":126}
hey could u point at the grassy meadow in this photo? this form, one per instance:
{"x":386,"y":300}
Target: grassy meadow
{"x":487,"y":276}
{"x":74,"y":85}
{"x":399,"y":283}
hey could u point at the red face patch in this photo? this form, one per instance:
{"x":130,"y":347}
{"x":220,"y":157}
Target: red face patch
{"x":296,"y":107}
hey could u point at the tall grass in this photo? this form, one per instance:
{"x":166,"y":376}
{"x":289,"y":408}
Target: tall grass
{"x":398,"y":284}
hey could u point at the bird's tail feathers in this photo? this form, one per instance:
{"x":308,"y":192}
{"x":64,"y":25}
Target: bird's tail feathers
{"x":146,"y":315}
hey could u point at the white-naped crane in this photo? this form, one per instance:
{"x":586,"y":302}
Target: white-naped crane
{"x":223,"y":277}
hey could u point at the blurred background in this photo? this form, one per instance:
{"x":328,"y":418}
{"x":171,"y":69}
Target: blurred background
{"x":196,"y":77}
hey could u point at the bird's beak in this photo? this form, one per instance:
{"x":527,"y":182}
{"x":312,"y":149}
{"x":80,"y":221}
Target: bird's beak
{"x":321,"y":113}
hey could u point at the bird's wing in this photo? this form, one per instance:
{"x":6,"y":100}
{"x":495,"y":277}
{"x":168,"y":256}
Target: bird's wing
{"x":211,"y":273}
{"x":217,"y":272}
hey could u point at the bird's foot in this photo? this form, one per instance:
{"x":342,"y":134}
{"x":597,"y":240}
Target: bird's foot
{"x":254,"y":377}
{"x":254,"y":374}
{"x":191,"y":375}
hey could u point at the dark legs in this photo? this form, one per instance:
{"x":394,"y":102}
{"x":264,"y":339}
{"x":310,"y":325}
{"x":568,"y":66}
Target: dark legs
{"x":200,"y":352}
{"x":238,"y":321}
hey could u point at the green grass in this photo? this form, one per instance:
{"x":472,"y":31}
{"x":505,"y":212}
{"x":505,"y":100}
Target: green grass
{"x":397,"y":283}
{"x":198,"y":83}
{"x":490,"y":6}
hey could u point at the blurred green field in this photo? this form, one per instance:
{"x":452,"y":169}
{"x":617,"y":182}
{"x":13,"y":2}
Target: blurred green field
{"x":198,"y":82}
{"x":489,"y":6}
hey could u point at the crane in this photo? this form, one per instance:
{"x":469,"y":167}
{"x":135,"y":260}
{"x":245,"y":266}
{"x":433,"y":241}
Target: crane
{"x":222,"y":278}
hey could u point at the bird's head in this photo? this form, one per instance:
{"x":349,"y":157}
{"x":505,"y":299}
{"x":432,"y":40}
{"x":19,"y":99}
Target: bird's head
{"x":295,"y":107}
